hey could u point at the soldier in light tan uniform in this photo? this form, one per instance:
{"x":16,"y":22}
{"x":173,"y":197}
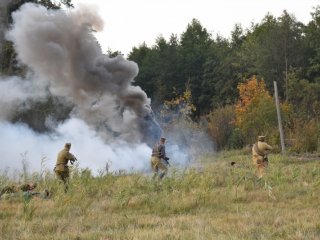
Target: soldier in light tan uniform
{"x":61,"y":169}
{"x":159,"y":160}
{"x":260,"y":152}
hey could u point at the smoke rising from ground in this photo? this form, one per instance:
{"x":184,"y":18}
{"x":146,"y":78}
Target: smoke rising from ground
{"x":110,"y":119}
{"x":18,"y":143}
{"x":67,"y":62}
{"x":64,"y":60}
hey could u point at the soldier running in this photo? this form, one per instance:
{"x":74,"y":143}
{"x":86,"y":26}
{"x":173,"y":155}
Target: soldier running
{"x":159,"y":160}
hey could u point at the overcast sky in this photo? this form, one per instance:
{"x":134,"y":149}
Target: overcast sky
{"x":129,"y":23}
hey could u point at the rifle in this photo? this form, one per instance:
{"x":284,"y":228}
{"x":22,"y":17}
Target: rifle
{"x":73,"y":160}
{"x":167,"y":161}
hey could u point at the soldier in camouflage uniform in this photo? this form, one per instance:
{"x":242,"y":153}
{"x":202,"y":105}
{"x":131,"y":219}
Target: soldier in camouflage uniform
{"x":159,"y":160}
{"x":260,"y":152}
{"x":61,"y":169}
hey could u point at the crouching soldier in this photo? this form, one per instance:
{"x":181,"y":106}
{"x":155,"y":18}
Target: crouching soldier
{"x":159,"y":160}
{"x":260,"y":152}
{"x":61,"y":169}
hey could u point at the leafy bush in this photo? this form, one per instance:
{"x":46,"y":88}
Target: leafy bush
{"x":304,"y":136}
{"x":221,"y":127}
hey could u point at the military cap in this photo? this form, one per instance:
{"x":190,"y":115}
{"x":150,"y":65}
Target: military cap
{"x":261,"y":138}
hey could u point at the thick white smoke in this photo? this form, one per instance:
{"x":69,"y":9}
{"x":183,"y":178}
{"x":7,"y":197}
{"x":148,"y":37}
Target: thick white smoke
{"x":110,"y":117}
{"x":19,"y":143}
{"x":64,"y":60}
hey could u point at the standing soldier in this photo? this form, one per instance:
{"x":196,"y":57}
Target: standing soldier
{"x":260,"y":152}
{"x":159,"y":160}
{"x":61,"y":169}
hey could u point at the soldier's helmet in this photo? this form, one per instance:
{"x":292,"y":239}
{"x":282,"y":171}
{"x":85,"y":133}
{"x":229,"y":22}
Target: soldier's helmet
{"x":261,"y":138}
{"x":163,"y":139}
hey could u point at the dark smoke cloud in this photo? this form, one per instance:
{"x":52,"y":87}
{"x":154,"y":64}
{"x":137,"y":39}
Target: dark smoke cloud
{"x":66,"y":59}
{"x":110,"y":118}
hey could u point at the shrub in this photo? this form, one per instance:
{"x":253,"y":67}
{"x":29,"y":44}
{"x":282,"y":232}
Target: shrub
{"x":221,"y":127}
{"x":304,"y":135}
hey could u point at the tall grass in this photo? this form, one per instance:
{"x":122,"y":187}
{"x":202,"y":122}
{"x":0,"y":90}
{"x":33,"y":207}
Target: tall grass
{"x":216,"y":201}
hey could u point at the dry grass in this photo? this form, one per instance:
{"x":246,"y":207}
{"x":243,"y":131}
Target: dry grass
{"x":216,"y":201}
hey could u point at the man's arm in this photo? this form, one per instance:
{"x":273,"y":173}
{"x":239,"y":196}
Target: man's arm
{"x":267,"y":146}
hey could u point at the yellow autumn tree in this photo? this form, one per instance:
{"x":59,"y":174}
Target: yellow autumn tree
{"x":255,"y":110}
{"x":249,"y":94}
{"x":179,"y":108}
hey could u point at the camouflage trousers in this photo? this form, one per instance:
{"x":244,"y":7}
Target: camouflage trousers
{"x":159,"y":167}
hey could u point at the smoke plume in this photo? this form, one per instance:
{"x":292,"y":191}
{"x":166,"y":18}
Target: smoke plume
{"x":67,"y":62}
{"x":109,"y":120}
{"x":106,"y":118}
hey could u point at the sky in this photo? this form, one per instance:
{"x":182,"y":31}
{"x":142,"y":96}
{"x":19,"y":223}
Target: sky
{"x":129,"y":23}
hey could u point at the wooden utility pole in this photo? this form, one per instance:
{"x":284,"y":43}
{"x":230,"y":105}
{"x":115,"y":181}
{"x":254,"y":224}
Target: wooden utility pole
{"x":279,"y":117}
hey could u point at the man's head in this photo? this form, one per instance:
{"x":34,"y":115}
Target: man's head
{"x":32,"y":186}
{"x":162,"y":140}
{"x":67,"y":145}
{"x":261,"y":138}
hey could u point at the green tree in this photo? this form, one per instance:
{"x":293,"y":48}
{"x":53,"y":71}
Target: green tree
{"x":304,"y":97}
{"x":158,"y":68}
{"x":168,"y":68}
{"x":312,"y":36}
{"x":147,"y":60}
{"x":195,"y":44}
{"x":223,"y":70}
{"x":272,"y":48}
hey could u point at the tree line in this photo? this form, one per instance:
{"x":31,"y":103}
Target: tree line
{"x":280,"y":49}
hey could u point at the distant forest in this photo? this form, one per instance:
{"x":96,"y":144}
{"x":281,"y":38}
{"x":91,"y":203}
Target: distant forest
{"x":229,"y":82}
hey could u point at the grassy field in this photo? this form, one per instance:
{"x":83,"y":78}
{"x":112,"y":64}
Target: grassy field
{"x":212,"y":200}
